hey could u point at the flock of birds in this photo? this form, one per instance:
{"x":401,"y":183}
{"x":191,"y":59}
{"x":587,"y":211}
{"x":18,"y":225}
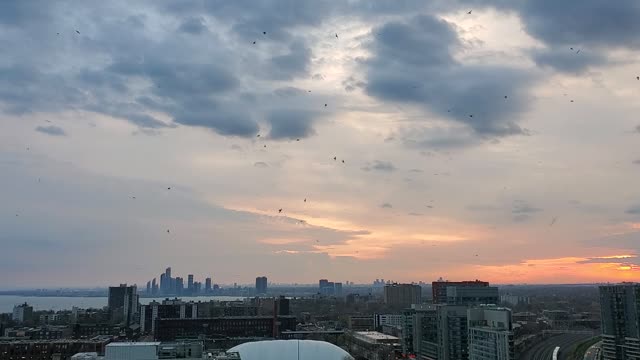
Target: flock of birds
{"x":335,"y":158}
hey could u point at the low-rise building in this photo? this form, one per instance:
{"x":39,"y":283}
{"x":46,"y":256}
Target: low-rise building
{"x":372,"y":345}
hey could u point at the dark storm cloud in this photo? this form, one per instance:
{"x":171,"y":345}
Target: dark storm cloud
{"x":51,"y":130}
{"x":522,"y":211}
{"x":291,"y":124}
{"x":294,"y":63}
{"x":194,"y":26}
{"x":566,"y":60}
{"x":634,"y":210}
{"x":378,"y":165}
{"x":413,"y":63}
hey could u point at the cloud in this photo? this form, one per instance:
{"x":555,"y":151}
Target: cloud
{"x":386,"y":206}
{"x":567,"y":60}
{"x":261,"y":164}
{"x":51,"y":130}
{"x":637,"y":162}
{"x":350,"y":84}
{"x":289,"y":91}
{"x":638,"y":129}
{"x":522,"y":211}
{"x":622,"y":259}
{"x":413,"y":63}
{"x":634,"y":210}
{"x":292,"y":64}
{"x":291,"y":124}
{"x":378,"y":165}
{"x":194,"y":26}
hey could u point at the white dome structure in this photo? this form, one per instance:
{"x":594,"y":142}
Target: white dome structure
{"x":290,"y":350}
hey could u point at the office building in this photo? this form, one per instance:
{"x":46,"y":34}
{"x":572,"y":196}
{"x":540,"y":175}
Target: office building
{"x":163,"y":283}
{"x":168,"y":309}
{"x":22,"y":313}
{"x":50,"y":349}
{"x":402,"y":294}
{"x":207,"y":285}
{"x":452,"y":332}
{"x":425,"y":332}
{"x":620,"y":321}
{"x":123,"y":304}
{"x":153,"y":350}
{"x":148,"y":289}
{"x":154,"y":286}
{"x":190,"y":283}
{"x":388,"y":319}
{"x":179,"y":285}
{"x":230,"y":326}
{"x":337,"y":289}
{"x":490,"y":333}
{"x":472,"y":295}
{"x":261,"y":285}
{"x":361,"y":322}
{"x":439,"y":288}
{"x":372,"y":345}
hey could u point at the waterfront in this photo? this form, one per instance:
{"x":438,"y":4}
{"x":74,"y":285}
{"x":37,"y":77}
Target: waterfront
{"x":66,"y":303}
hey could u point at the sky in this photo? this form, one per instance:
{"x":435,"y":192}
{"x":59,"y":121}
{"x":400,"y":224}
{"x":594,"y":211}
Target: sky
{"x":342,"y":139}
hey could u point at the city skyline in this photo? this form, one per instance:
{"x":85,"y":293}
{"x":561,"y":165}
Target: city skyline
{"x":409,"y":139}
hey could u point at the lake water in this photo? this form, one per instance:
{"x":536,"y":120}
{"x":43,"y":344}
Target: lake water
{"x":7,"y":302}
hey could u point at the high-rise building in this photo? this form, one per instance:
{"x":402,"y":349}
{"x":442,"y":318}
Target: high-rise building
{"x":439,"y":288}
{"x":338,"y":289}
{"x":154,"y":286}
{"x":168,"y":309}
{"x":22,"y":313}
{"x":261,"y":285}
{"x":148,"y":288}
{"x":490,"y":333}
{"x":207,"y":285}
{"x":197,"y":287}
{"x":123,"y":304}
{"x":620,"y":321}
{"x":167,"y":272}
{"x":422,"y":339}
{"x":452,"y":332}
{"x":190,"y":283}
{"x":402,"y":294}
{"x":179,"y":285}
{"x":163,"y":283}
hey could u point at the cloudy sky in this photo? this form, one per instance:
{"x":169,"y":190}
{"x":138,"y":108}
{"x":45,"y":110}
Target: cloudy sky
{"x":491,"y":139}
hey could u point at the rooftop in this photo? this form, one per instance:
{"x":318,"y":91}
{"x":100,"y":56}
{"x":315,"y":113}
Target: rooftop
{"x":376,"y":335}
{"x":149,"y":343}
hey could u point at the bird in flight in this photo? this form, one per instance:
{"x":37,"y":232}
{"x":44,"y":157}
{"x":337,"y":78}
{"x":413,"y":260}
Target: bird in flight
{"x":325,"y":105}
{"x":343,"y":161}
{"x":637,"y":77}
{"x":335,"y":158}
{"x":169,"y":188}
{"x":258,"y":135}
{"x":469,"y":12}
{"x":254,"y":43}
{"x":470,"y":115}
{"x":305,"y":199}
{"x":297,"y":139}
{"x":505,"y":96}
{"x":280,"y":210}
{"x":78,"y":31}
{"x":168,"y":231}
{"x":264,"y":33}
{"x":336,"y":36}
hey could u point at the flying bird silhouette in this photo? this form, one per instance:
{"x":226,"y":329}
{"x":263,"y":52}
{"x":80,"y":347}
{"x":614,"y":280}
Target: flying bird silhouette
{"x":280,"y":210}
{"x":254,"y":43}
{"x":264,"y":33}
{"x":637,"y":77}
{"x":325,"y":105}
{"x":336,"y":36}
{"x":343,"y":161}
{"x":78,"y":31}
{"x":305,"y":199}
{"x":469,"y":12}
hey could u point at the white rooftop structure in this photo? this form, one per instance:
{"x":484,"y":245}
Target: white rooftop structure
{"x":290,"y":350}
{"x":375,"y":337}
{"x":132,"y":351}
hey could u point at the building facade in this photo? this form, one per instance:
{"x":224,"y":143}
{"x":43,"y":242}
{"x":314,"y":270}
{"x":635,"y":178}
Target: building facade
{"x":490,"y":333}
{"x":620,"y":321}
{"x":22,"y":313}
{"x":261,"y":285}
{"x":123,"y":304}
{"x":439,"y":288}
{"x":402,"y":294}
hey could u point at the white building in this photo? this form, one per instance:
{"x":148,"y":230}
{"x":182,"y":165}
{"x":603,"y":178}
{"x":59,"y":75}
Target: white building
{"x":290,"y":350}
{"x":490,"y":333}
{"x":152,"y":351}
{"x":388,"y":319}
{"x":22,"y":313}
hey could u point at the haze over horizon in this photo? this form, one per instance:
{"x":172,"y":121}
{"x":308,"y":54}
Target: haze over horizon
{"x":500,"y":144}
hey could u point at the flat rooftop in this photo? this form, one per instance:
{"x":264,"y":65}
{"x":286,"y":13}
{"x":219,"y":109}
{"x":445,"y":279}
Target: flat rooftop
{"x":374,"y":335}
{"x":143,"y":343}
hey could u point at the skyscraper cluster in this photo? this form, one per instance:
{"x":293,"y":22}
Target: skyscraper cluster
{"x":169,"y":285}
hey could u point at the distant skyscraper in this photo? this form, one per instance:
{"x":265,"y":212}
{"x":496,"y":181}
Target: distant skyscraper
{"x":148,"y":288}
{"x":179,"y":285}
{"x":123,"y":304}
{"x":154,"y":286}
{"x":167,"y":272}
{"x":337,"y":288}
{"x":490,"y":333}
{"x":22,"y":313}
{"x":190,"y":282}
{"x":620,"y":318}
{"x":402,"y":294}
{"x":261,"y":285}
{"x":197,"y":287}
{"x":207,"y":285}
{"x":163,"y":283}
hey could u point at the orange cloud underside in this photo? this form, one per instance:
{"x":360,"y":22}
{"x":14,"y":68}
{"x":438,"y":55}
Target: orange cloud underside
{"x":566,"y":269}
